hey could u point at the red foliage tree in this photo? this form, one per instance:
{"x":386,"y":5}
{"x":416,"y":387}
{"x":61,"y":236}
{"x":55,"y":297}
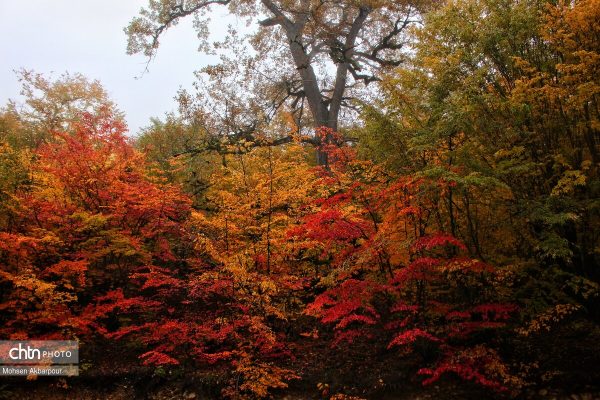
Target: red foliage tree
{"x":388,"y":275}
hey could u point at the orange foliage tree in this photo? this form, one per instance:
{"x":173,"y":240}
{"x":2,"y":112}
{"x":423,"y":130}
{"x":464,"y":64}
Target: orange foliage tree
{"x":90,"y":218}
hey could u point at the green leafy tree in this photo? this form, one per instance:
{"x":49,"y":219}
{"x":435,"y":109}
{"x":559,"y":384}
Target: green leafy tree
{"x":52,"y":105}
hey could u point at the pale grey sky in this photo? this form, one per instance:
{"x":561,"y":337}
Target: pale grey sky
{"x":87,"y":36}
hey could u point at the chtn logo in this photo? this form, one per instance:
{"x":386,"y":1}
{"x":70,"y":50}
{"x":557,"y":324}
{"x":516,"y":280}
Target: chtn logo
{"x":32,"y":353}
{"x":22,"y":353}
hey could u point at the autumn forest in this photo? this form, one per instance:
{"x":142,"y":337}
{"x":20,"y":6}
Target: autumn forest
{"x":361,"y":199}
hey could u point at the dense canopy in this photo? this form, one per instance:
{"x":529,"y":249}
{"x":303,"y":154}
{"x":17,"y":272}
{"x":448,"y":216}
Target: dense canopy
{"x":443,"y":242}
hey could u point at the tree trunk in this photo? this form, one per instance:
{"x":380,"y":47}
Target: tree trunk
{"x":325,"y":114}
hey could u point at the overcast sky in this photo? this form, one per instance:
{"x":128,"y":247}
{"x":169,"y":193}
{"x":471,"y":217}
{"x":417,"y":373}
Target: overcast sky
{"x":87,"y":36}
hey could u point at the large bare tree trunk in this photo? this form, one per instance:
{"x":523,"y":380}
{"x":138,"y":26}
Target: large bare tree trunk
{"x":325,"y":113}
{"x":309,"y":34}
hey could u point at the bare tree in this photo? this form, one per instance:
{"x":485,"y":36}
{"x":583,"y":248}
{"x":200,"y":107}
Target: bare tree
{"x":322,"y":51}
